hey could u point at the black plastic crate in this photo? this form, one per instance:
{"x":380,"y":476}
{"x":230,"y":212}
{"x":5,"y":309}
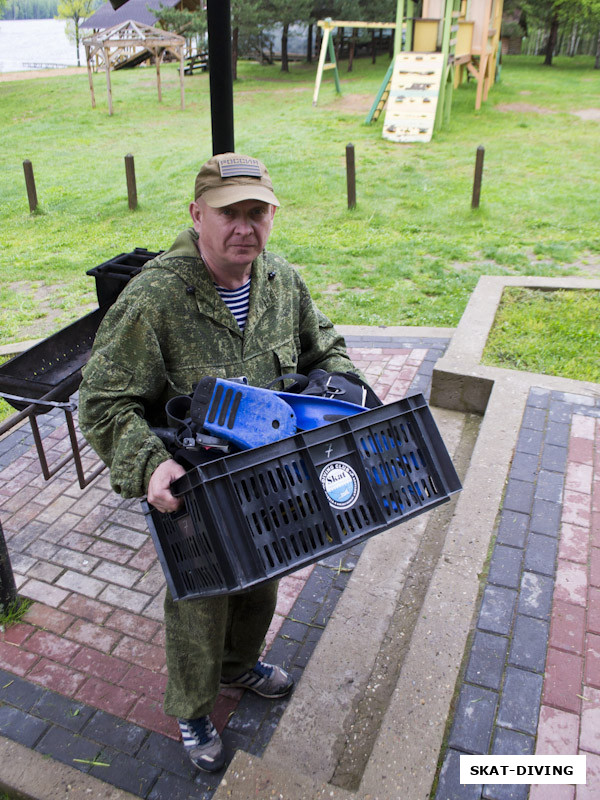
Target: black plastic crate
{"x":52,"y":365}
{"x":112,"y":276}
{"x":260,"y":514}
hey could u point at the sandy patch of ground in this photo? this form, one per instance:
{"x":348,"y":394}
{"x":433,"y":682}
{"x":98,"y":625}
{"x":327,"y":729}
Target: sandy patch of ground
{"x":588,"y":266}
{"x":336,"y":288}
{"x":285,"y":90}
{"x":352,"y":102}
{"x":26,"y":75}
{"x":588,"y":114}
{"x":524,"y":108}
{"x":43,"y":296}
{"x":592,"y":114}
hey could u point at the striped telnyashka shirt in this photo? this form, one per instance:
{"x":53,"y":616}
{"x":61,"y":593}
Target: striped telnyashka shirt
{"x":237,"y":300}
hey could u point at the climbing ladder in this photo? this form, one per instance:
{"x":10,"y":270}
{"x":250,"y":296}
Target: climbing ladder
{"x":382,"y":96}
{"x":418,"y":85}
{"x":413,"y":97}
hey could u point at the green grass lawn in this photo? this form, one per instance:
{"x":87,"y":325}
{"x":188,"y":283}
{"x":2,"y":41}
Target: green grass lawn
{"x":409,"y":254}
{"x":548,"y":332}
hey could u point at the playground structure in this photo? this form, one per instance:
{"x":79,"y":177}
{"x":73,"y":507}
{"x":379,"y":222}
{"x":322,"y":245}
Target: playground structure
{"x":477,"y":39}
{"x":327,"y":48}
{"x":432,"y":54}
{"x":130,"y":42}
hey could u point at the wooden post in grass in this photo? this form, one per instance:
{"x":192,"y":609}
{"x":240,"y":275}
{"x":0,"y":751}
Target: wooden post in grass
{"x":8,"y":589}
{"x":30,"y":184}
{"x":351,"y":176}
{"x":477,"y":176}
{"x":131,"y":187}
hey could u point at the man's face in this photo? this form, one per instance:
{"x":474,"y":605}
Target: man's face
{"x":231,"y":237}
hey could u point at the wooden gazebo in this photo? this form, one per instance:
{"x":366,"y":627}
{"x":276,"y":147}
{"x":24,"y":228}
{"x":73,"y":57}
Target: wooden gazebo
{"x":130,"y":39}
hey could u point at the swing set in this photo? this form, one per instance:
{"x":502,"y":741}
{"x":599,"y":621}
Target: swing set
{"x":434,"y":50}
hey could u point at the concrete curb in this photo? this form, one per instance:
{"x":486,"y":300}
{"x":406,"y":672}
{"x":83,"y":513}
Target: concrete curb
{"x":460,"y":381}
{"x":14,"y":348}
{"x":41,"y":777}
{"x":384,"y":332}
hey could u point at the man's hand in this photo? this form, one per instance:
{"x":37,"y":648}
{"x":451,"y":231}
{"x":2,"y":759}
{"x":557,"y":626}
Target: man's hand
{"x":159,"y":493}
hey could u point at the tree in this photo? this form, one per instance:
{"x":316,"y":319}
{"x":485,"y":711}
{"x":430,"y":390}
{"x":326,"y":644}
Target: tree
{"x":552,"y":15}
{"x":286,"y":13}
{"x":74,"y":11}
{"x":592,"y":13}
{"x":190,"y":24}
{"x":248,"y":18}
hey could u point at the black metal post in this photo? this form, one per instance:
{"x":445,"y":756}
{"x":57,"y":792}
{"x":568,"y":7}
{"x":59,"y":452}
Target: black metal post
{"x":477,"y":176}
{"x":8,"y":589}
{"x":218,"y":17}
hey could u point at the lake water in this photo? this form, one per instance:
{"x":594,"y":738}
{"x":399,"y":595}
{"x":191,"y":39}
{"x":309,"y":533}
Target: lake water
{"x":42,"y":42}
{"x":38,"y":43}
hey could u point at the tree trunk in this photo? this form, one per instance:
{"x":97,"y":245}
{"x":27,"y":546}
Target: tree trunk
{"x":234,"y":52}
{"x":551,"y":41}
{"x":351,"y":48}
{"x":309,"y":50}
{"x":573,"y":40}
{"x":285,"y":67}
{"x":338,"y":42}
{"x":597,"y":61}
{"x":77,"y":40}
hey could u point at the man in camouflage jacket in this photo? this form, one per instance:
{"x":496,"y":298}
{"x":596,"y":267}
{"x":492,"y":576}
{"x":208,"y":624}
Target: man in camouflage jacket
{"x":168,"y":328}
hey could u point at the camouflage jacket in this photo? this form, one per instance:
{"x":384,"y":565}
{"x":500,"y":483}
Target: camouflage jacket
{"x":169,"y":328}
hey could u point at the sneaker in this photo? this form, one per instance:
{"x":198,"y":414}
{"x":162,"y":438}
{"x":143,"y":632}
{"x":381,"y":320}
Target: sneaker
{"x":267,"y":680}
{"x":202,"y":743}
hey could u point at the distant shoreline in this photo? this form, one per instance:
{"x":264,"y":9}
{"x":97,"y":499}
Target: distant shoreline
{"x":23,"y":75}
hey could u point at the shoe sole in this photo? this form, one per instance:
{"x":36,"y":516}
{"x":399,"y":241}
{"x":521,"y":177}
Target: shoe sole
{"x":257,"y":691}
{"x":209,"y":768}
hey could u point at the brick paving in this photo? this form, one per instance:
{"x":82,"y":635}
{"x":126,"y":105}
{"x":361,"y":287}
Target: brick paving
{"x":531,"y":680}
{"x":83,"y":674}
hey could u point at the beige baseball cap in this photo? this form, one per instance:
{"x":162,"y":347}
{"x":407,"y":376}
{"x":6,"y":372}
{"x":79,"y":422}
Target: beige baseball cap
{"x":229,"y":178}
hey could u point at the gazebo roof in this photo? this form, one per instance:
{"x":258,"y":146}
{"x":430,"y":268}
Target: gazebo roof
{"x":107,"y":17}
{"x":120,"y":41}
{"x":132,"y":32}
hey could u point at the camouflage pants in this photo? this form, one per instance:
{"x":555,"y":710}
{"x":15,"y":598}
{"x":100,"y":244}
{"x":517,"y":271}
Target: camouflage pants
{"x":212,"y":637}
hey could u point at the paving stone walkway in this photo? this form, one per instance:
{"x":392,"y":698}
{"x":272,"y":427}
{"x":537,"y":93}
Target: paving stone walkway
{"x":83,"y":675}
{"x":531,"y":682}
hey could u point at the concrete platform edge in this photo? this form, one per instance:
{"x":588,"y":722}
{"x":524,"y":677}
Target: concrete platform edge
{"x":31,"y":775}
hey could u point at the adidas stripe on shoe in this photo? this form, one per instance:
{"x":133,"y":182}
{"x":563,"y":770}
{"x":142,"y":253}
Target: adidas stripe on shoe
{"x":267,"y":680}
{"x":202,"y":743}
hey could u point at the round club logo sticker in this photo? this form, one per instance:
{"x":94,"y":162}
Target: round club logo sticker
{"x":340,"y":483}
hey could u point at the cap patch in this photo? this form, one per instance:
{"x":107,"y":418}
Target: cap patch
{"x":235,"y":166}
